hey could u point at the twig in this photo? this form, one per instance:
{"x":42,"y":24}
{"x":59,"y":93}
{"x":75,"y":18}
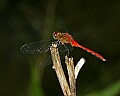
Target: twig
{"x":59,"y":71}
{"x":72,"y":81}
{"x":72,"y":73}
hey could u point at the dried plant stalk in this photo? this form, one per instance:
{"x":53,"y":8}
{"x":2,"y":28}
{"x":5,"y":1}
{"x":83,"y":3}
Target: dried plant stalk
{"x":72,"y":80}
{"x":59,"y":71}
{"x":72,"y":72}
{"x":79,"y":65}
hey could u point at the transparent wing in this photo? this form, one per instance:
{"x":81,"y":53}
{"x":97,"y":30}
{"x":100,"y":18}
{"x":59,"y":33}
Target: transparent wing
{"x":46,"y":61}
{"x":44,"y":46}
{"x":62,"y":51}
{"x":36,"y":47}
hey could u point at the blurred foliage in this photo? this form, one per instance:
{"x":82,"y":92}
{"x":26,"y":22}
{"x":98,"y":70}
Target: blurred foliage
{"x":94,"y":24}
{"x":111,"y":90}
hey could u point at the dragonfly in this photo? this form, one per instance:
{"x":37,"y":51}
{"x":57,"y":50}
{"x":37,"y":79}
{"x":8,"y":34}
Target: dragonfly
{"x":59,"y":38}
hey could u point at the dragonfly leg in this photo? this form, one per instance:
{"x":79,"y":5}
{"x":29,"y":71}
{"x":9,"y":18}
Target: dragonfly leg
{"x":68,"y":53}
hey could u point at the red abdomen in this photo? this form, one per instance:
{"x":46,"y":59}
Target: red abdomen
{"x":75,"y":44}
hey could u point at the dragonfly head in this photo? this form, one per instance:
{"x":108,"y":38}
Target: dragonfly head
{"x":56,"y":35}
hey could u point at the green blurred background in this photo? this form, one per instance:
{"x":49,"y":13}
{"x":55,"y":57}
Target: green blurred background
{"x":95,"y":24}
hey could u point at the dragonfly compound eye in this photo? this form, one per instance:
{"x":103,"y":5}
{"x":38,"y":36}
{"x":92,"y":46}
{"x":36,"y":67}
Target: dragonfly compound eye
{"x":56,"y":35}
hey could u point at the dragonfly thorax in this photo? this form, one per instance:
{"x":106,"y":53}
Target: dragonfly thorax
{"x":62,"y":37}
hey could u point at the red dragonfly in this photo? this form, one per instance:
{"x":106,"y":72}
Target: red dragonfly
{"x":67,"y":38}
{"x":60,"y":38}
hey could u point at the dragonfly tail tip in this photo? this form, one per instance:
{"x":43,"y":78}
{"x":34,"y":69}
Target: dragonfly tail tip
{"x":104,"y":60}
